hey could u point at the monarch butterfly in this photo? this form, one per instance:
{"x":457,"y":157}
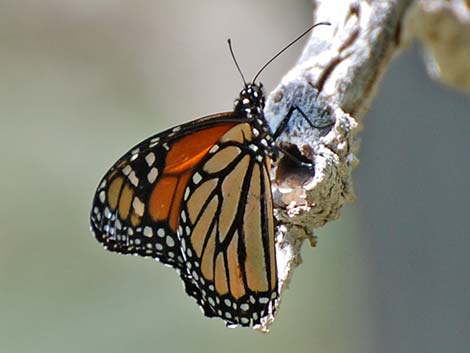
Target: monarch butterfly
{"x":197,"y":197}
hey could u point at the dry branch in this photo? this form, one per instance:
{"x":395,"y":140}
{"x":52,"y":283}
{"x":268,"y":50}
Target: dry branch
{"x":444,"y":29}
{"x":332,"y":84}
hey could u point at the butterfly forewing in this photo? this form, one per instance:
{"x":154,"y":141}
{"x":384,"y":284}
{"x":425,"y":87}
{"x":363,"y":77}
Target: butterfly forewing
{"x":136,"y":206}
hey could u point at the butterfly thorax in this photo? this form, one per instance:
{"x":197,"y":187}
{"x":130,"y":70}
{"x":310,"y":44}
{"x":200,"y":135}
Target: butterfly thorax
{"x":250,"y":105}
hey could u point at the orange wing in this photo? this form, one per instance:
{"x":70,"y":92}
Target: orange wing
{"x":137,"y":204}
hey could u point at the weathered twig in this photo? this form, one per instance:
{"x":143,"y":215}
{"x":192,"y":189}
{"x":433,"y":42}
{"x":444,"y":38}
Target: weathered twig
{"x":444,"y":29}
{"x":330,"y":88}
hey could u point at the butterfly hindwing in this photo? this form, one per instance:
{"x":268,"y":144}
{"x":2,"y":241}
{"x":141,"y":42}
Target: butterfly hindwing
{"x":227,"y":231}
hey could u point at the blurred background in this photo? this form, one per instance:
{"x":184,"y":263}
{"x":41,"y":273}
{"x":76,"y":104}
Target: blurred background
{"x":83,"y":81}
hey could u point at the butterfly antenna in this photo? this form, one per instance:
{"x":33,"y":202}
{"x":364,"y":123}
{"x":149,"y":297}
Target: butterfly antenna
{"x":235,"y":60}
{"x":288,"y":46}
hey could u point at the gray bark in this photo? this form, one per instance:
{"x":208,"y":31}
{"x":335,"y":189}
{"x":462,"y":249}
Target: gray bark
{"x":332,"y":84}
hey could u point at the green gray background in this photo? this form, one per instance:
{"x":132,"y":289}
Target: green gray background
{"x":83,"y":81}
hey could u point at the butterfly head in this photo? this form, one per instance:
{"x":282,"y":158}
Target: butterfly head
{"x":251,"y":99}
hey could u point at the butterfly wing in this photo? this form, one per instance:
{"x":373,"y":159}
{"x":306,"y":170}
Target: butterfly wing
{"x":228,"y":231}
{"x":136,"y":206}
{"x":198,"y":198}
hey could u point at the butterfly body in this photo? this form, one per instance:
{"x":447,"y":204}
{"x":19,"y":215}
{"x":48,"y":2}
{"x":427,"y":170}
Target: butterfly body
{"x":198,"y":198}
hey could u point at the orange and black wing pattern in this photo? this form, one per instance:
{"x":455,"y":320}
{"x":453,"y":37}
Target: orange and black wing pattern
{"x":136,"y":208}
{"x":197,"y":197}
{"x":227,"y":232}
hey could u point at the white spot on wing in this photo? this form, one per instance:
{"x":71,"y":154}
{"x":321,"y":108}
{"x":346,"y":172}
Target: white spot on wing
{"x":148,"y":231}
{"x":138,"y":206}
{"x":152,"y":175}
{"x":133,"y":179}
{"x":126,"y":170}
{"x":186,"y":194}
{"x":169,"y":241}
{"x":150,"y":158}
{"x":197,"y":178}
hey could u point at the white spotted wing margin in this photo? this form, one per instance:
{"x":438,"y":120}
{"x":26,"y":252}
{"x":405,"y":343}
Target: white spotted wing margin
{"x":227,"y":233}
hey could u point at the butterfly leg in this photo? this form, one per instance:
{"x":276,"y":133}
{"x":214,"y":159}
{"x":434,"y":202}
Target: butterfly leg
{"x":324,"y":120}
{"x":282,"y":126}
{"x":296,"y":160}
